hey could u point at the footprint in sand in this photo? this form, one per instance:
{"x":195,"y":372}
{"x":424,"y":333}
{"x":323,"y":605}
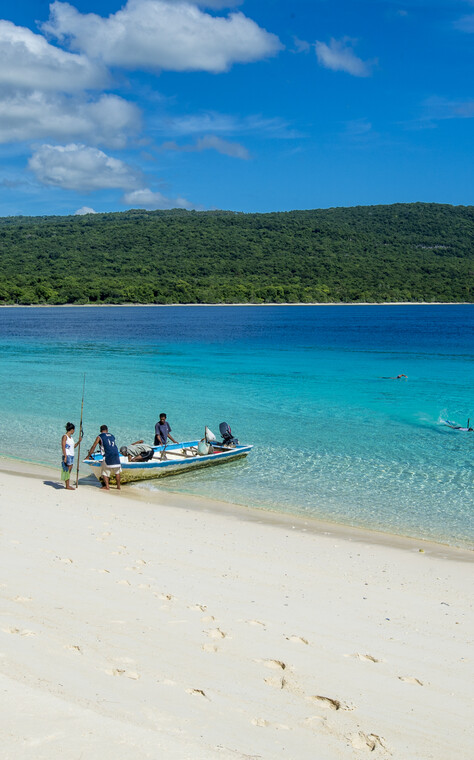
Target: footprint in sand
{"x":262,"y":723}
{"x":197,"y":693}
{"x":198,"y":607}
{"x":317,"y":723}
{"x":122,"y":672}
{"x":216,"y":633}
{"x":297,"y":639}
{"x":121,"y":550}
{"x":274,"y":664}
{"x":210,"y":648}
{"x":410,"y":679}
{"x":277,"y":682}
{"x":66,"y":560}
{"x":23,"y":599}
{"x":74,"y":648}
{"x":165,"y":597}
{"x":124,"y":583}
{"x":208,"y":619}
{"x":329,"y":703}
{"x":19,"y":632}
{"x":369,"y":742}
{"x":364,"y":657}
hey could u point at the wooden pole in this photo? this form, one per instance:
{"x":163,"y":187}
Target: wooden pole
{"x":80,"y":433}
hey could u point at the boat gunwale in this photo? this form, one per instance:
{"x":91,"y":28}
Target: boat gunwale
{"x":97,"y":458}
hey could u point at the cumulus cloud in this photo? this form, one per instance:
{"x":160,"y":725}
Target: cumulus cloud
{"x":146,"y":198}
{"x":81,"y":168}
{"x":211,"y":142}
{"x":339,"y":56}
{"x":162,"y":34}
{"x":37,"y":115}
{"x":28,"y":61}
{"x":84,"y":210}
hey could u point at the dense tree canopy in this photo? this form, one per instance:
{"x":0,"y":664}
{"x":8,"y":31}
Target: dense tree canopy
{"x":403,"y":252}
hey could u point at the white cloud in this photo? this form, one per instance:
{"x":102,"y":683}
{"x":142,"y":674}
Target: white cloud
{"x":358,"y":127}
{"x":84,"y":210}
{"x":81,"y":168}
{"x":217,"y":4}
{"x":27,"y":61}
{"x":439,"y":109}
{"x":162,"y":34}
{"x":466,"y":23}
{"x":37,"y":115}
{"x":150,"y":200}
{"x":211,"y":142}
{"x":339,"y":56}
{"x":301,"y":46}
{"x":212,"y":122}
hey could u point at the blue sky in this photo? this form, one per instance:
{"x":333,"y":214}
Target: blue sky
{"x":260,"y":105}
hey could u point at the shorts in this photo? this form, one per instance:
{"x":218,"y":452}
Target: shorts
{"x":109,"y":470}
{"x":65,"y":465}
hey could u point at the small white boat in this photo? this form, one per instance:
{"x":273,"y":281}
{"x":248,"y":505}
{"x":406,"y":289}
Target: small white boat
{"x":171,"y":460}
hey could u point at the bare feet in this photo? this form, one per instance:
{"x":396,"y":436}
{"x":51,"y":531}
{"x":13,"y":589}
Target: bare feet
{"x":69,"y":488}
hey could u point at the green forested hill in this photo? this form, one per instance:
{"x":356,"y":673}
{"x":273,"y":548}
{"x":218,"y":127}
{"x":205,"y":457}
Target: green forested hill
{"x":403,"y":252}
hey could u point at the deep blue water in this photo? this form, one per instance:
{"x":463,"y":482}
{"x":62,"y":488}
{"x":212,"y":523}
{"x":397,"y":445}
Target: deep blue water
{"x":308,"y":385}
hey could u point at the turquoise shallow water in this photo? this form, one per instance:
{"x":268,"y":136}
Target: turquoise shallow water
{"x":334,"y":438}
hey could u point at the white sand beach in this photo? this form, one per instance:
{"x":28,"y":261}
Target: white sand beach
{"x":138,"y":625}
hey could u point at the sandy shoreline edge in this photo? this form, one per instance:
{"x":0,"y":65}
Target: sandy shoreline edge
{"x":305,"y":524}
{"x":138,"y":625}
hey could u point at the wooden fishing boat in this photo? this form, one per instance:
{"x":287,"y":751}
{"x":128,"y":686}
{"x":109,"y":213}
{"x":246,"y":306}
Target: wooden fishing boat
{"x":171,"y":460}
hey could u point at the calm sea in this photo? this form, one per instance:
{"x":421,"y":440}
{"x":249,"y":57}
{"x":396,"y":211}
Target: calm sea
{"x":309,"y":386}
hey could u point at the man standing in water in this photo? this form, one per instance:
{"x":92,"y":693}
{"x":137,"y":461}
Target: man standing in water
{"x":163,"y":432}
{"x":111,"y":461}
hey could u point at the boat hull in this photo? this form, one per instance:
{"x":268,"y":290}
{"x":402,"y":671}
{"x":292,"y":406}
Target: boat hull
{"x":175,"y":462}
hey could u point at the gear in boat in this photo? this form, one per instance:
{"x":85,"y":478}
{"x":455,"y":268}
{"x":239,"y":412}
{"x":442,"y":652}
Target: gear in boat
{"x":179,"y":457}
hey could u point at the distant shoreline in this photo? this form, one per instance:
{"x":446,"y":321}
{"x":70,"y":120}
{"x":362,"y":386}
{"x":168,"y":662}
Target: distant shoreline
{"x":165,"y":305}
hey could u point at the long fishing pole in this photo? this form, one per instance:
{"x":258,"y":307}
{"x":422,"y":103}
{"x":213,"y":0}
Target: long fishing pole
{"x":81,"y":432}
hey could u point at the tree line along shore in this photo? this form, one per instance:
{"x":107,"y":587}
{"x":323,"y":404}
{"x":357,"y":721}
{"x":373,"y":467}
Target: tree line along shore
{"x":419,"y":252}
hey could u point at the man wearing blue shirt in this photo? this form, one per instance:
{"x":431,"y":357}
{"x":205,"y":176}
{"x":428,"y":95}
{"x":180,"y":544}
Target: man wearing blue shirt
{"x":111,"y":461}
{"x":163,"y":432}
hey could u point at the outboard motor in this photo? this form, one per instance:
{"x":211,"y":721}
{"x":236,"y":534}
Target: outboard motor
{"x":227,"y":437}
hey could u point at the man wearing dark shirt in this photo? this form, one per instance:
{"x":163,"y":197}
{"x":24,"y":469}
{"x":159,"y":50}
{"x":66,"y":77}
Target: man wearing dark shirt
{"x":163,"y":432}
{"x":111,"y":461}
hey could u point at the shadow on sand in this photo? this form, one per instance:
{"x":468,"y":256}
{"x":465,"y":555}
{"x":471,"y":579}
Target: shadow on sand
{"x":89,"y":480}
